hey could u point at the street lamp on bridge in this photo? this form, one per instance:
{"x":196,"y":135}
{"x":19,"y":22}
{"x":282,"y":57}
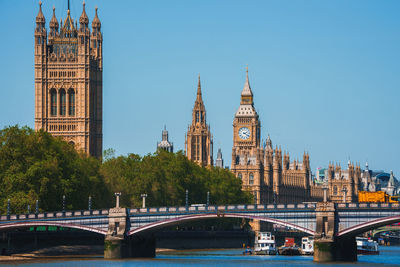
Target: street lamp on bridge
{"x":187,"y":198}
{"x":63,"y":204}
{"x":117,"y":195}
{"x":8,"y":208}
{"x":325,"y":188}
{"x":143,"y":200}
{"x":90,"y":203}
{"x":344,"y":190}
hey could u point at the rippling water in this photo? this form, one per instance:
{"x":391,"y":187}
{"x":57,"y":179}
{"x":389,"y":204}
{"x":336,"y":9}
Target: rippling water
{"x":389,"y":256}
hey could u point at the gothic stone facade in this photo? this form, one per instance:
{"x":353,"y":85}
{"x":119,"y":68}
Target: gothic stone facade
{"x":199,"y":141}
{"x":271,"y":177}
{"x":68,"y":80}
{"x":344,"y":184}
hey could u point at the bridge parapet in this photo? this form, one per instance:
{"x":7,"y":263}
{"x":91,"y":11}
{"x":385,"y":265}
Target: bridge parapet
{"x":213,"y":208}
{"x":57,"y":214}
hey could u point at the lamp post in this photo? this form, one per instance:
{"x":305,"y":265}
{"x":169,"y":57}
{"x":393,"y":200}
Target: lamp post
{"x":208,"y":198}
{"x":325,"y":188}
{"x":28,"y":209}
{"x":37,"y":207}
{"x":187,"y":199}
{"x":8,"y":208}
{"x":143,"y":200}
{"x":117,"y":195}
{"x":63,"y":204}
{"x":90,"y":203}
{"x":344,"y":190}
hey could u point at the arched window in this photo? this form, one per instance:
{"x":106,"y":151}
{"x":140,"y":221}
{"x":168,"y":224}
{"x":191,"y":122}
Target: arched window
{"x":53,"y":102}
{"x":71,"y":99}
{"x":251,"y":178}
{"x":71,"y":143}
{"x":201,"y":117}
{"x":63,"y":105}
{"x":197,"y":116}
{"x":335,"y":190}
{"x":240,"y":176}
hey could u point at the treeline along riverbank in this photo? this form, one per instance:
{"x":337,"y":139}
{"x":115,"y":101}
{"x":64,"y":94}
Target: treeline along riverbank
{"x":35,"y":166}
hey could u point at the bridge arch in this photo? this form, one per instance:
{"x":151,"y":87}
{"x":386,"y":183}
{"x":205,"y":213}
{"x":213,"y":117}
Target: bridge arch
{"x":385,"y":229}
{"x":366,"y":226}
{"x":188,"y":218}
{"x":17,"y":225}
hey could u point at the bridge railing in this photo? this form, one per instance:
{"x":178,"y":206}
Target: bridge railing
{"x":194,"y":208}
{"x":216,"y":208}
{"x":57,"y":214}
{"x":368,"y":205}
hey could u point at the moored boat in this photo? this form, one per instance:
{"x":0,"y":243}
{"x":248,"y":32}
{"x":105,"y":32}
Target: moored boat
{"x":289,"y":248}
{"x":307,"y":245}
{"x":264,"y":244}
{"x":367,"y":246}
{"x":247,"y":251}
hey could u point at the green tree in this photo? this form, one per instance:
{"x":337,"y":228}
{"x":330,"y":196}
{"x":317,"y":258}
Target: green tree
{"x":37,"y":166}
{"x":166,"y":176}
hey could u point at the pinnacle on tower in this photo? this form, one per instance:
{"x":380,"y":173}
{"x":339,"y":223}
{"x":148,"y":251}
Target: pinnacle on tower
{"x":247,"y":94}
{"x":83,"y":20}
{"x":54,"y":21}
{"x":199,"y":90}
{"x":40,"y":17}
{"x":246,"y":88}
{"x":96,"y":24}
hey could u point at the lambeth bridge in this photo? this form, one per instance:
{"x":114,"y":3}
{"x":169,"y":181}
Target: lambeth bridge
{"x":129,"y":232}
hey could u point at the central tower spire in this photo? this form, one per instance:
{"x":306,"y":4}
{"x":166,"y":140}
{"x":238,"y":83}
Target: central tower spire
{"x":199,"y":143}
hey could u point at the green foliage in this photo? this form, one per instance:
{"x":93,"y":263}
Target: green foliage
{"x":37,"y":166}
{"x":165,"y":177}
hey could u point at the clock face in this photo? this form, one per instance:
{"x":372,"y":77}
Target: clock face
{"x":244,"y":133}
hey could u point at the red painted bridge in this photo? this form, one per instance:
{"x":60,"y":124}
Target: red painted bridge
{"x":353,"y":218}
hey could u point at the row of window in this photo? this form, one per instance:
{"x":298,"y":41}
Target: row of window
{"x":244,"y":120}
{"x":251,"y":178}
{"x":335,"y":190}
{"x":62,"y":127}
{"x":60,"y":107}
{"x":62,"y":74}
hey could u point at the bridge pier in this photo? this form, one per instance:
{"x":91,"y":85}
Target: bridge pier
{"x":328,"y":247}
{"x":118,"y":244}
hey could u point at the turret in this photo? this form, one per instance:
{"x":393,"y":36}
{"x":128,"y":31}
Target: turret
{"x":83,"y":20}
{"x":83,"y":33}
{"x":40,"y":20}
{"x":96,"y":38}
{"x":277,"y":172}
{"x":54,"y":24}
{"x":40,"y":37}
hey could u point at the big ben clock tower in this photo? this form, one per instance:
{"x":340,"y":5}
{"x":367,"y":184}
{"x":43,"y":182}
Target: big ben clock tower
{"x":247,"y":154}
{"x":246,"y":126}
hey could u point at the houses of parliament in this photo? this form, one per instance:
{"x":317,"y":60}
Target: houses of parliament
{"x":68,"y":104}
{"x":264,"y":170}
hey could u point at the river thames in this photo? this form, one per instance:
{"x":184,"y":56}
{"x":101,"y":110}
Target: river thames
{"x":389,"y":256}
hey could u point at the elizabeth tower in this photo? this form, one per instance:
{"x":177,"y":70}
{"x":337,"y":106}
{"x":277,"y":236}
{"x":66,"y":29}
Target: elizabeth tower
{"x":68,"y":80}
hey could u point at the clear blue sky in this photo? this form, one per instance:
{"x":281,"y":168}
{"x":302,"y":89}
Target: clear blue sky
{"x":325,"y":74}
